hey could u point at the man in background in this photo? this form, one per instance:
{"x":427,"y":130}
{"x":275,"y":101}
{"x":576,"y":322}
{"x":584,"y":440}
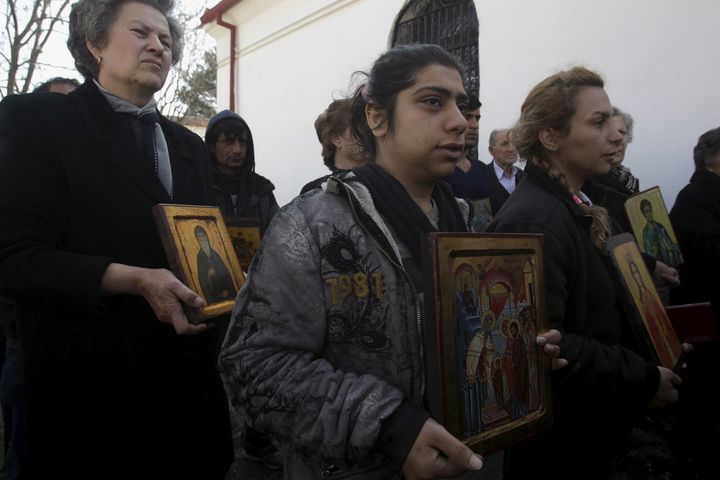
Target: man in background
{"x":10,"y":379}
{"x":58,"y":85}
{"x":471,"y":179}
{"x":240,"y":192}
{"x":503,"y":172}
{"x":340,"y":150}
{"x":237,"y":189}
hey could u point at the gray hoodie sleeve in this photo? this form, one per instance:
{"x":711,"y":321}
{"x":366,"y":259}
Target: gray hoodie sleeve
{"x":272,"y":359}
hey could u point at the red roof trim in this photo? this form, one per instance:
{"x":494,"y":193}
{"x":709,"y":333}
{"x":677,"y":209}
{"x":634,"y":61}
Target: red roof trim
{"x":213,"y":13}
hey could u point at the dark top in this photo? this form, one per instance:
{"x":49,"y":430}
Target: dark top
{"x":620,"y":178}
{"x":605,"y":381}
{"x":498,"y":194}
{"x":612,"y":199}
{"x":102,"y":376}
{"x":696,"y":220}
{"x":253,"y":199}
{"x":474,"y":184}
{"x":246,"y":194}
{"x":474,"y":187}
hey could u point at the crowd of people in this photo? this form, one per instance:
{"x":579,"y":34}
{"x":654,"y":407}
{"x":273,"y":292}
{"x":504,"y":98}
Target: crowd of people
{"x":323,"y":354}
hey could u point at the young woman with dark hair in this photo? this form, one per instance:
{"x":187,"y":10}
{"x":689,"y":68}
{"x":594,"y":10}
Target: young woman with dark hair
{"x":325,"y":348}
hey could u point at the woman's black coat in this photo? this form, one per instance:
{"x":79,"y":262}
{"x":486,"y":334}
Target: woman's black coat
{"x":605,"y":382}
{"x":105,"y":382}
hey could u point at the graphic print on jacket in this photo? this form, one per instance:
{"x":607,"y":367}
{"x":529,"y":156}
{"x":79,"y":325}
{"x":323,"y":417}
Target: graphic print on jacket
{"x":354,"y":289}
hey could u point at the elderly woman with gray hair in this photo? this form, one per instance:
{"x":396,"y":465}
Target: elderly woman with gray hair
{"x":612,"y":189}
{"x":116,"y":381}
{"x":620,"y":176}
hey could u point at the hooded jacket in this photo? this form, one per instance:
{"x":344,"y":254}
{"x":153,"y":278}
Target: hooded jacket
{"x":323,"y":351}
{"x":254,"y":197}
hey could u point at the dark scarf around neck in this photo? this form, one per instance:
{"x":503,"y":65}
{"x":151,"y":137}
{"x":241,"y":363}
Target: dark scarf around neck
{"x":404,"y":216}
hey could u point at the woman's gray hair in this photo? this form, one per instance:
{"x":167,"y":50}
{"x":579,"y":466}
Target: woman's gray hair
{"x":707,"y":149}
{"x":629,"y":122}
{"x":91,"y":20}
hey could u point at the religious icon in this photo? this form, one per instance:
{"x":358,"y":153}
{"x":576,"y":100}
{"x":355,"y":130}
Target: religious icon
{"x":215,"y":280}
{"x":201,"y":255}
{"x":245,"y":235}
{"x":651,"y":226}
{"x":643,"y":302}
{"x":487,"y":380}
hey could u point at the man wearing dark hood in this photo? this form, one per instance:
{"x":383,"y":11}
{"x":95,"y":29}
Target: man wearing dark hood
{"x":237,"y":189}
{"x":240,"y":192}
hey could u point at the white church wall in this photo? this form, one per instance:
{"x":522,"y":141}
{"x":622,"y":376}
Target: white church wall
{"x":656,"y":57}
{"x":294,"y":59}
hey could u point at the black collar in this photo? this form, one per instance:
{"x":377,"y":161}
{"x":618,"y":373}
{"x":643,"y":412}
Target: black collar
{"x":541,"y":177}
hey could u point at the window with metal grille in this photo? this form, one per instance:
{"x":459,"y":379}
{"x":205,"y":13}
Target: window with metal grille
{"x":452,"y":24}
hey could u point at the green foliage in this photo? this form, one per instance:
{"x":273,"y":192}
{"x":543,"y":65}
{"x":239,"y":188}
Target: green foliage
{"x":198,"y":87}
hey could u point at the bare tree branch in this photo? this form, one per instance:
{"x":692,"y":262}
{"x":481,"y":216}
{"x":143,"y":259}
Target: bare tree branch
{"x":39,"y":42}
{"x":27,"y":31}
{"x":29,"y":24}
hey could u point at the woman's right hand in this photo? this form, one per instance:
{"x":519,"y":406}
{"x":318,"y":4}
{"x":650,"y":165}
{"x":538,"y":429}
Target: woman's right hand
{"x":437,"y":454}
{"x":164,"y":292}
{"x":160,"y":288}
{"x":550,"y":343}
{"x":667,"y":389}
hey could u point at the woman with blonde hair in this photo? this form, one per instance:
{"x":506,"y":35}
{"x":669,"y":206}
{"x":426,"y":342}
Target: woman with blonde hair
{"x":565,"y":132}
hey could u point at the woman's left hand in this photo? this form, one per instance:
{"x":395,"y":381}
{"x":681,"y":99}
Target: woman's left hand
{"x":160,"y":288}
{"x":550,"y":341}
{"x":166,"y":294}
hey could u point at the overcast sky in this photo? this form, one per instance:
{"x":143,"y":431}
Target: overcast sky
{"x":56,"y":61}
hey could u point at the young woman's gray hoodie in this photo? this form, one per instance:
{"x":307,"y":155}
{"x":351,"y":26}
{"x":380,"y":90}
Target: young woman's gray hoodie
{"x":324,"y":347}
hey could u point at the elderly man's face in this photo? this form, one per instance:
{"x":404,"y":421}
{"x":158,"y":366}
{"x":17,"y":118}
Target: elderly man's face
{"x":503,"y":151}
